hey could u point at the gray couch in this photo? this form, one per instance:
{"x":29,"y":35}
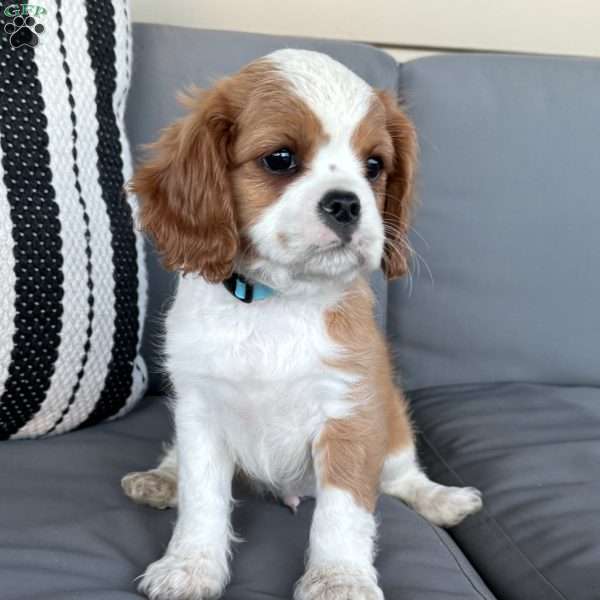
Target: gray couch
{"x":496,"y":338}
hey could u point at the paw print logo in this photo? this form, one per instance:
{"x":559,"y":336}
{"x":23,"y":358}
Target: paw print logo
{"x":24,"y":31}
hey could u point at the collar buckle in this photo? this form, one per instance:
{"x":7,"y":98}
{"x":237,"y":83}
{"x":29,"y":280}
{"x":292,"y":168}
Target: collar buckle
{"x":240,"y":287}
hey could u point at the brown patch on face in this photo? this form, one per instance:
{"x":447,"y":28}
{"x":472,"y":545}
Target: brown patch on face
{"x":273,"y":118}
{"x":371,"y":138}
{"x":204,"y":185}
{"x":387,"y":133}
{"x":353,"y":449}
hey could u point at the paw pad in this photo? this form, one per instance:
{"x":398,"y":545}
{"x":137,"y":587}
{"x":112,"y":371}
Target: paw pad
{"x":24,"y":32}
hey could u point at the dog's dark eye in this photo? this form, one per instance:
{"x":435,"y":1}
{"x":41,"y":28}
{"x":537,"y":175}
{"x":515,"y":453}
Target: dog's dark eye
{"x":282,"y":162}
{"x":374,"y":167}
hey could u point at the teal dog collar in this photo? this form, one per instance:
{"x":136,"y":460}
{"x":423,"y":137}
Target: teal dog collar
{"x":242,"y":289}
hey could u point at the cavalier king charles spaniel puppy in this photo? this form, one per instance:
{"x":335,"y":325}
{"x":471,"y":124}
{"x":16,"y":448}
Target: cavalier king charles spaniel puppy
{"x":277,"y":194}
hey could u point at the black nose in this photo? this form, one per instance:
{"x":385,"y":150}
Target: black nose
{"x":340,"y":211}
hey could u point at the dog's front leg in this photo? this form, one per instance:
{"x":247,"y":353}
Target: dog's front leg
{"x":195,"y":565}
{"x":342,"y":535}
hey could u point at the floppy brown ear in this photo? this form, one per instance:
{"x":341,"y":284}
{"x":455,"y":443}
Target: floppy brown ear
{"x":185,"y":196}
{"x":398,"y":199}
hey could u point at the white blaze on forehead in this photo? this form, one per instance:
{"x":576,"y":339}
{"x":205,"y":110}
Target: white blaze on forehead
{"x":337,"y":96}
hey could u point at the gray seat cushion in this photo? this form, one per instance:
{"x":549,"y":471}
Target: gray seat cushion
{"x":510,"y":214}
{"x":534,"y":451}
{"x":68,"y":532}
{"x":168,"y":59}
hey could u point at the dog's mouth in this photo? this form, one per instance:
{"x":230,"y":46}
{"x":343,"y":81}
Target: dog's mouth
{"x":330,"y":248}
{"x":334,"y":257}
{"x":331,"y":261}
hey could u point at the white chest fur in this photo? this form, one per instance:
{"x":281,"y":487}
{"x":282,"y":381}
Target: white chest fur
{"x":260,"y":368}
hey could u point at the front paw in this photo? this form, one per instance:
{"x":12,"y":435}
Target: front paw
{"x":197,"y":576}
{"x":338,"y":583}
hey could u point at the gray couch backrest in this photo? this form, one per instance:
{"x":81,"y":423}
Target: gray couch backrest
{"x":508,"y":222}
{"x":509,"y":190}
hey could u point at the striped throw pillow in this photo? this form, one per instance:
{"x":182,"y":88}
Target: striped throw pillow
{"x":72,"y":278}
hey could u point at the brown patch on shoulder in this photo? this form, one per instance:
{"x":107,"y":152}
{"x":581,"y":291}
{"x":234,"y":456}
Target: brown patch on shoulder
{"x":350,"y":455}
{"x":352,"y":450}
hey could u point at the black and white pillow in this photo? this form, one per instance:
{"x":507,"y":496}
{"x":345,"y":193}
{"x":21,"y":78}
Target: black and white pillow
{"x":72,"y":278}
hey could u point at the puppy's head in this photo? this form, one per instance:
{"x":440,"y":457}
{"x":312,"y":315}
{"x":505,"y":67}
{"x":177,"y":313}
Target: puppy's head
{"x":293,"y":166}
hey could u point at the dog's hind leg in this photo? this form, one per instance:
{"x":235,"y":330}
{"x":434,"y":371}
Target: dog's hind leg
{"x":442,"y":505}
{"x":156,"y":487}
{"x":403,"y":477}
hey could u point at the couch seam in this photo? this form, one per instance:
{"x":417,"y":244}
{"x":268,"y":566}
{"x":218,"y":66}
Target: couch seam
{"x":495,"y":521}
{"x":458,"y":562}
{"x":418,"y":391}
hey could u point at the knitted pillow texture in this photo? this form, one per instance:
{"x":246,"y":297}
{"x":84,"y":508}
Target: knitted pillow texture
{"x":72,"y":278}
